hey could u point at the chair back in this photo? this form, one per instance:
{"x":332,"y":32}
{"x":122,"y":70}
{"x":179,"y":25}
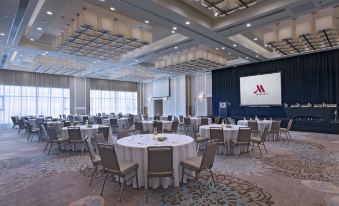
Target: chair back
{"x":217,"y":120}
{"x":253,"y":124}
{"x":217,"y":134}
{"x":67,"y":123}
{"x":43,"y":130}
{"x":187,"y":121}
{"x":113,"y":122}
{"x":204,"y":121}
{"x":181,"y":118}
{"x":275,"y":125}
{"x":51,"y":133}
{"x":155,"y":118}
{"x":160,"y":161}
{"x":145,"y":117}
{"x":264,"y":133}
{"x":244,"y":135}
{"x":98,"y":120}
{"x":169,"y":117}
{"x":209,"y":154}
{"x":90,"y":148}
{"x":74,"y":133}
{"x":29,"y":127}
{"x":290,"y":122}
{"x":122,"y":133}
{"x":176,"y":119}
{"x":229,"y":120}
{"x":138,"y":126}
{"x":190,"y":132}
{"x":21,"y":124}
{"x":105,"y":131}
{"x":99,"y":137}
{"x":158,"y":125}
{"x":130,"y":121}
{"x":14,"y":120}
{"x":109,"y":159}
{"x":84,"y":119}
{"x":64,"y":117}
{"x":174,"y":126}
{"x":120,"y":115}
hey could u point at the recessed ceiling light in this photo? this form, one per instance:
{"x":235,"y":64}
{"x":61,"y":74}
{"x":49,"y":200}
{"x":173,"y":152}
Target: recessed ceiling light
{"x":255,"y":39}
{"x":43,"y":54}
{"x":49,"y":12}
{"x":187,"y":23}
{"x":248,"y":25}
{"x":146,"y":21}
{"x":173,"y":31}
{"x":175,"y":47}
{"x":21,"y":55}
{"x":136,"y":60}
{"x":265,"y":45}
{"x":217,"y":48}
{"x":102,"y":0}
{"x":112,"y":9}
{"x":222,"y":48}
{"x":174,"y":28}
{"x":216,"y":14}
{"x":256,"y":56}
{"x":234,"y":45}
{"x":94,"y":62}
{"x":39,"y":28}
{"x":246,"y":57}
{"x":2,"y":34}
{"x":31,"y":39}
{"x":229,"y":53}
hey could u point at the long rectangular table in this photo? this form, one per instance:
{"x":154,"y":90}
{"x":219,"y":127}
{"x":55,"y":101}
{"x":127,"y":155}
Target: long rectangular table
{"x":324,"y":113}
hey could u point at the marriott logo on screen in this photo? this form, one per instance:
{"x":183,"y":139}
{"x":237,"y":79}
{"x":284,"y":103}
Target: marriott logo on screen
{"x":260,"y":90}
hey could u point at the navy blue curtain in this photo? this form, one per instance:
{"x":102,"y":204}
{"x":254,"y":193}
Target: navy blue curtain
{"x":306,"y":78}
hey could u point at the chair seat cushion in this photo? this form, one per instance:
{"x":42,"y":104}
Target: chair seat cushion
{"x":234,"y":141}
{"x":255,"y":131}
{"x":192,"y":164}
{"x":255,"y":139}
{"x":127,"y":167}
{"x":283,"y":130}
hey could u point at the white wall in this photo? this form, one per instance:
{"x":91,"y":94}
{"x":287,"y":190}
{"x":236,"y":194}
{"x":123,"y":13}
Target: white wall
{"x":175,"y":104}
{"x":201,"y":85}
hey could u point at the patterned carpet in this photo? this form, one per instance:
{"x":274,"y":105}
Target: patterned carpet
{"x":302,"y":172}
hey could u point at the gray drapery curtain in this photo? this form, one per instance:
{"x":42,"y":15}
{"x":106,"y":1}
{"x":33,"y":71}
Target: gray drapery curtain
{"x":113,"y":85}
{"x":20,"y":78}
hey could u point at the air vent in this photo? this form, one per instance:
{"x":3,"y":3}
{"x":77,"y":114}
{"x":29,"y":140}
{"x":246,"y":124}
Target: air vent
{"x":303,"y":7}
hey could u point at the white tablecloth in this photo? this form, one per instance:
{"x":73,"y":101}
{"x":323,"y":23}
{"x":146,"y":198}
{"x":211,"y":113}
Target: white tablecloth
{"x":87,"y":131}
{"x":148,"y":125}
{"x":122,"y":122}
{"x":229,"y":133}
{"x":196,"y":121}
{"x":261,"y":124}
{"x":134,"y":149}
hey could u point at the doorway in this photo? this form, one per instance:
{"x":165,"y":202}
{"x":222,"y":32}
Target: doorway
{"x":158,"y":104}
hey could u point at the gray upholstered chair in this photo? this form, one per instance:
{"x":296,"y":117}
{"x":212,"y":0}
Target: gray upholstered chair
{"x":52,"y":138}
{"x":139,"y":127}
{"x":260,"y":140}
{"x":160,"y":164}
{"x":253,"y":125}
{"x":197,"y":139}
{"x":217,"y":135}
{"x":99,"y":137}
{"x":200,"y":164}
{"x":244,"y":136}
{"x":287,"y":129}
{"x":158,"y":125}
{"x":113,"y":167}
{"x":74,"y":137}
{"x":105,"y":131}
{"x":275,"y":129}
{"x":204,"y":121}
{"x":122,"y":133}
{"x":96,"y":160}
{"x":174,"y":127}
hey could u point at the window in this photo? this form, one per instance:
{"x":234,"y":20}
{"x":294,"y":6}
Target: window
{"x":22,"y":100}
{"x":113,"y":101}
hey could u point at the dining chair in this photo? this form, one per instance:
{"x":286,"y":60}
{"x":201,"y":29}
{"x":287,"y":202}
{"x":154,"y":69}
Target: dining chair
{"x":174,"y":127}
{"x":113,"y":167}
{"x":260,"y":140}
{"x":275,"y":129}
{"x":74,"y":137}
{"x":22,"y":125}
{"x":158,"y":125}
{"x":253,"y":125}
{"x":122,"y":134}
{"x":197,"y":139}
{"x":243,"y":139}
{"x":197,"y":165}
{"x":52,"y":138}
{"x":217,"y":135}
{"x":169,"y":118}
{"x":32,"y":132}
{"x":204,"y":121}
{"x":139,"y":127}
{"x":95,"y":159}
{"x":114,"y":124}
{"x":287,"y":129}
{"x":160,"y":164}
{"x":105,"y":131}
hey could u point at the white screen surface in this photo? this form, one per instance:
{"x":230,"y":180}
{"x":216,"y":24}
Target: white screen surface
{"x":260,"y":90}
{"x":161,"y":88}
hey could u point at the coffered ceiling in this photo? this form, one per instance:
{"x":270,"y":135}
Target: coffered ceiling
{"x":149,"y":39}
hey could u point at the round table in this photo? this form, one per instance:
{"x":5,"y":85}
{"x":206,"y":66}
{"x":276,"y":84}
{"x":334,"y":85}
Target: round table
{"x":87,"y":131}
{"x":229,"y":133}
{"x":122,"y":122}
{"x":196,"y":121}
{"x":261,"y":124}
{"x":134,"y":149}
{"x":148,"y":125}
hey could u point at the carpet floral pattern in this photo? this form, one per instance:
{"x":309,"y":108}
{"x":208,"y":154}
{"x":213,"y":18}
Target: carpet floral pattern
{"x":229,"y":190}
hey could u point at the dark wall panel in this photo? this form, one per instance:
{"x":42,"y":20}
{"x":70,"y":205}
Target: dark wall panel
{"x":307,"y":78}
